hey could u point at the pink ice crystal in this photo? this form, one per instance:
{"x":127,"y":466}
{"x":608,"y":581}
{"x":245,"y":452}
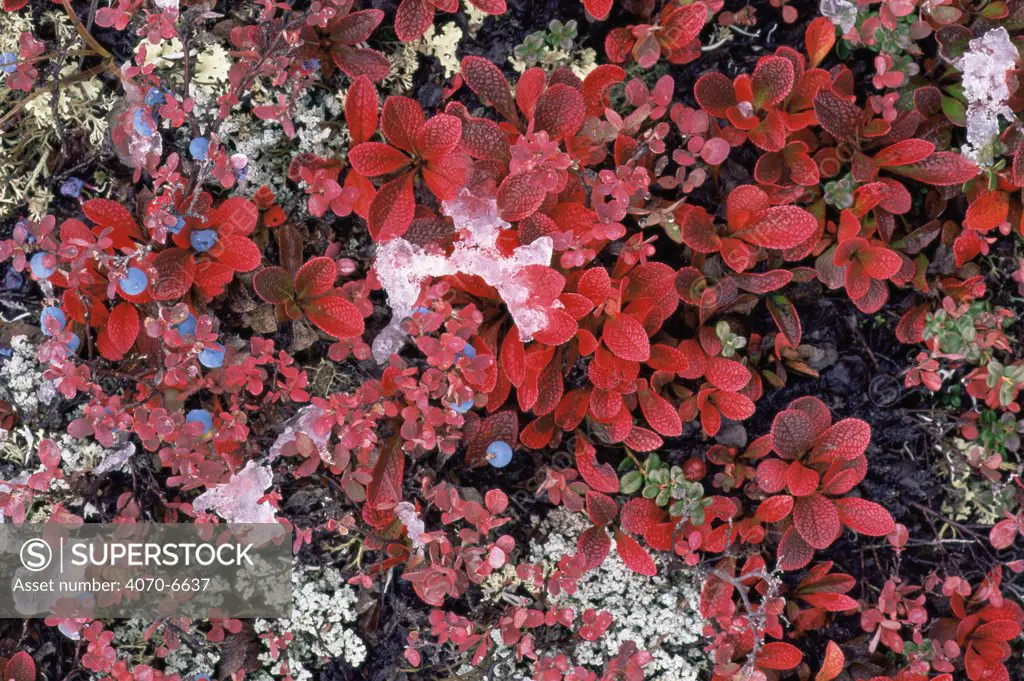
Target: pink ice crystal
{"x":403,"y":268}
{"x":238,"y":500}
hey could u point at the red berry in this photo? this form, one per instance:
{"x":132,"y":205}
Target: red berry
{"x":694,"y":469}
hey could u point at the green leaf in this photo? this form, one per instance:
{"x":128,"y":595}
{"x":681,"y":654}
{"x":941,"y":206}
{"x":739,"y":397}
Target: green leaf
{"x":631,"y":482}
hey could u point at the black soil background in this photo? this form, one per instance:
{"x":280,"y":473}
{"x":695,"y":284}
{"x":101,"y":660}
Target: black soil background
{"x":864,"y":379}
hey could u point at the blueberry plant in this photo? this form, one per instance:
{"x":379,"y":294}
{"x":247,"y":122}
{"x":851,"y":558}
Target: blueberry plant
{"x":458,"y":303}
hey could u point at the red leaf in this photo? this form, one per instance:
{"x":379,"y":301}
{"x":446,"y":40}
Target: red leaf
{"x":910,"y":328}
{"x":513,"y":357}
{"x":634,"y":555}
{"x":779,"y":656}
{"x":600,"y":477}
{"x":847,"y":439}
{"x":793,"y":551}
{"x":942,"y":169}
{"x":988,"y":210}
{"x":273,"y":284}
{"x":772,"y":81}
{"x":1002,"y":534}
{"x":598,"y":9}
{"x":801,"y":480}
{"x":784,"y":314}
{"x":792,"y":433}
{"x":819,"y":39}
{"x":175,"y":272}
{"x":385,"y":489}
{"x":764,"y":282}
{"x":832,"y":666}
{"x":120,"y":332}
{"x":601,"y":508}
{"x":315,"y":278}
{"x":903,"y":152}
{"x":837,"y":116}
{"x":392,"y":209}
{"x":238,"y":252}
{"x":335,"y":315}
{"x":643,"y":440}
{"x":376,"y":158}
{"x":727,"y":374}
{"x":667,"y":358}
{"x":638,"y":515}
{"x":111,"y":214}
{"x":660,"y":413}
{"x":400,"y":118}
{"x":832,"y":602}
{"x":780,"y":227}
{"x":20,"y":667}
{"x":559,"y":111}
{"x":626,"y":338}
{"x":593,"y":544}
{"x":361,"y":105}
{"x":490,"y":6}
{"x":683,"y":25}
{"x":817,"y":521}
{"x":438,"y":136}
{"x":561,"y":328}
{"x":773,"y":509}
{"x":735,"y":406}
{"x":596,"y":84}
{"x":489,"y":83}
{"x":714,"y":93}
{"x":413,"y":19}
{"x":771,"y":475}
{"x":864,"y":517}
{"x":236,"y":215}
{"x":518,"y":196}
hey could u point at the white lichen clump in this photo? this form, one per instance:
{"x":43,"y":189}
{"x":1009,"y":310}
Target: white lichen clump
{"x":323,"y":610}
{"x":238,"y":500}
{"x":656,"y":613}
{"x":21,"y":378}
{"x":403,"y":268}
{"x":984,"y":68}
{"x":443,"y":45}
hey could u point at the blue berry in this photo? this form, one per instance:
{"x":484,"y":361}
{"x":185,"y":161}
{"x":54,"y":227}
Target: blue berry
{"x":499,"y":454}
{"x":142,"y":126}
{"x":200,"y":416}
{"x":72,"y":345}
{"x":55,"y":313}
{"x":39,"y":268}
{"x":419,"y":309}
{"x":203,"y":239}
{"x":201,"y":677}
{"x":199,"y":148}
{"x":72,"y":187}
{"x":468,"y":351}
{"x":134,"y":281}
{"x":8,"y":62}
{"x":187,"y":326}
{"x":213,"y":357}
{"x":464,"y":407}
{"x":154,"y":97}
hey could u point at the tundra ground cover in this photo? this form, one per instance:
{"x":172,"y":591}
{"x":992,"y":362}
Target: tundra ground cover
{"x":538,"y":324}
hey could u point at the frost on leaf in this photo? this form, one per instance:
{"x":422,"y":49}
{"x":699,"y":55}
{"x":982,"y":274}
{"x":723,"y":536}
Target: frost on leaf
{"x":984,"y":68}
{"x":238,"y":500}
{"x":842,"y":13}
{"x":308,"y":422}
{"x":403,"y":268}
